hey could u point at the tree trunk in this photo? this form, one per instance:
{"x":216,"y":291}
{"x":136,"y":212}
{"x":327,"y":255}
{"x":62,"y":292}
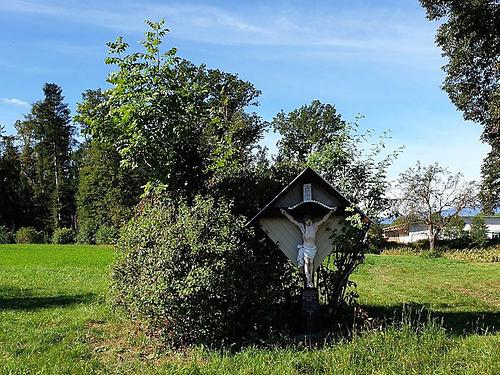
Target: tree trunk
{"x":432,"y":241}
{"x":58,"y":198}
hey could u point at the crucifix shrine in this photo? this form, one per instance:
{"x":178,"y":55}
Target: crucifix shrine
{"x":300,"y":220}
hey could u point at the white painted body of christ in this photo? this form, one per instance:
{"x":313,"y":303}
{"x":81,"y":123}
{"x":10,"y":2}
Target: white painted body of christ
{"x":307,"y":250}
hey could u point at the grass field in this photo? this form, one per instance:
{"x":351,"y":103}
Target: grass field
{"x":54,"y":319}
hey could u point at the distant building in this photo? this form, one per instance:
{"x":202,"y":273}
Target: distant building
{"x":492,"y":222}
{"x":406,"y":233}
{"x":418,"y":231}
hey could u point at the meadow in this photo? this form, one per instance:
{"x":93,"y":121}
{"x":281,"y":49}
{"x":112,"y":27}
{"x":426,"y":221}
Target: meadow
{"x":55,"y":318}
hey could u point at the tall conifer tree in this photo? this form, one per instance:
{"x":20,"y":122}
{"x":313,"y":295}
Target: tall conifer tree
{"x":47,"y":139}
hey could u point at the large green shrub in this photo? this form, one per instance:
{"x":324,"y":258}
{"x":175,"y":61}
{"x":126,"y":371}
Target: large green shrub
{"x":86,"y":232}
{"x":6,"y":235}
{"x":29,"y":235}
{"x":106,"y":235}
{"x":63,"y":236}
{"x":195,"y":274}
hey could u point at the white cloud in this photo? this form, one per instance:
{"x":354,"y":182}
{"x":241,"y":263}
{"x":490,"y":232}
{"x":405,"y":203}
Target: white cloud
{"x":16,"y":102}
{"x":373,"y":32}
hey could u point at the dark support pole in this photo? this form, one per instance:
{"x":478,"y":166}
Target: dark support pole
{"x":310,"y":311}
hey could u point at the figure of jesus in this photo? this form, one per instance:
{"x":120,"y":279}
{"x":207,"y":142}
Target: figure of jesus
{"x":307,"y":250}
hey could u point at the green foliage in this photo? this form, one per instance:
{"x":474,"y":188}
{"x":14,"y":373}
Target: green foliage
{"x":107,"y":192}
{"x":454,"y":229}
{"x":468,"y":35}
{"x":86,"y":232}
{"x":490,"y":184}
{"x":191,"y":275}
{"x":63,"y":236}
{"x":470,"y":40}
{"x":106,"y":235}
{"x":434,"y":253}
{"x":348,"y":252}
{"x":16,"y":206}
{"x":478,"y":231}
{"x":357,"y":165}
{"x":307,"y":129}
{"x":29,"y":235}
{"x":179,"y":124}
{"x":375,"y":238}
{"x":47,"y":140}
{"x":6,"y":235}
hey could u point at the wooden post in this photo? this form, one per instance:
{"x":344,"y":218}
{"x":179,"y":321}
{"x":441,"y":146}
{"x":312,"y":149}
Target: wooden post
{"x":310,"y":310}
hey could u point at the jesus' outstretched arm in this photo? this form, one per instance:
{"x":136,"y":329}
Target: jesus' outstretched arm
{"x":327,"y":216}
{"x":290,"y":217}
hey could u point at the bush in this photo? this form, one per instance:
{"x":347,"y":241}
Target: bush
{"x":478,"y":231}
{"x":376,"y":240}
{"x":106,"y":235}
{"x":6,"y":235}
{"x":29,"y":235}
{"x":196,"y":275}
{"x":435,"y":253}
{"x":86,"y":232}
{"x":63,"y":236}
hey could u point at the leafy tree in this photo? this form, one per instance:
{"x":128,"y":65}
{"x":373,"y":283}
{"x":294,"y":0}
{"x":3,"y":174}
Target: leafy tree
{"x":490,"y":184}
{"x":478,"y":231}
{"x":107,"y":192}
{"x":358,"y":166}
{"x":315,"y":135}
{"x":233,"y":157}
{"x":181,"y":125}
{"x":307,"y":129}
{"x":434,"y":196}
{"x":47,"y":137}
{"x":454,"y":229}
{"x":469,"y":37}
{"x":470,"y":40}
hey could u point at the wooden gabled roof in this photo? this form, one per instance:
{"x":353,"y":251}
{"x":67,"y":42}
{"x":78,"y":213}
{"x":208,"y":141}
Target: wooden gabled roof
{"x":308,"y":175}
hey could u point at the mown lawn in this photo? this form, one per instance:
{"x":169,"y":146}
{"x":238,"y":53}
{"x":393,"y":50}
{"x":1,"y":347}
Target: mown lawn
{"x":54,"y":319}
{"x":464,"y":295}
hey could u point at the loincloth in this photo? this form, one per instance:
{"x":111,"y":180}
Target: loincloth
{"x":305,"y":252}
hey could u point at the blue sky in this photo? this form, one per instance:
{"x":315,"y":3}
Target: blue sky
{"x":377,"y":58}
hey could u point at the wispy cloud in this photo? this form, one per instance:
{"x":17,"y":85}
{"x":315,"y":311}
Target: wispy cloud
{"x":16,"y":102}
{"x":375,"y":33}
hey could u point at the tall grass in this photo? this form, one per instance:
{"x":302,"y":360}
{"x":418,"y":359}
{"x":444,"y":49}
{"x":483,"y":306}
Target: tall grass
{"x":404,"y":348}
{"x":489,"y":254}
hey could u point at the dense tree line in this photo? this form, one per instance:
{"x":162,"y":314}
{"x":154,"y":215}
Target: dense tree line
{"x":470,"y":40}
{"x":51,"y":181}
{"x":40,"y":165}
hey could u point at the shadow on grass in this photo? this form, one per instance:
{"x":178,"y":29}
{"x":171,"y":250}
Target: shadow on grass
{"x":29,"y":302}
{"x":455,"y":322}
